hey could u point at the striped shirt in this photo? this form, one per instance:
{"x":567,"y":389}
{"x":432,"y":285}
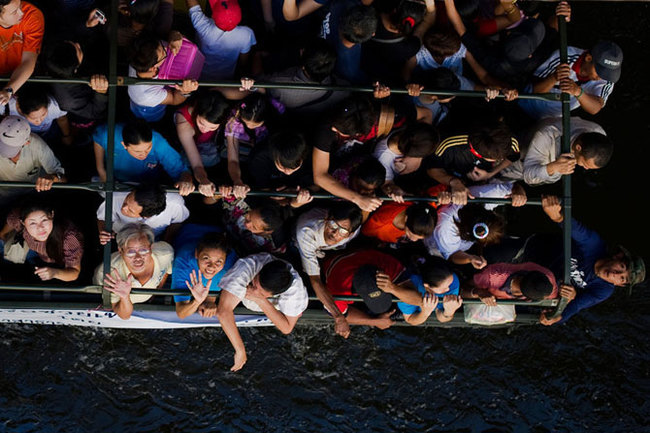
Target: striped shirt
{"x":538,"y":109}
{"x":457,"y":157}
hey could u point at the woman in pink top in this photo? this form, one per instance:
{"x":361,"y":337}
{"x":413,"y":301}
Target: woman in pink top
{"x":513,"y":281}
{"x":247,"y":126}
{"x":197,"y":125}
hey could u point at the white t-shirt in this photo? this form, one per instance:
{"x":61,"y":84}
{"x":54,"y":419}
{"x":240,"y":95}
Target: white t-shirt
{"x":163,"y":257}
{"x":311,"y":239}
{"x":53,"y":113}
{"x":220,"y":48}
{"x":387,"y":158}
{"x":175,"y":212}
{"x":291,"y":303}
{"x":445,"y":239}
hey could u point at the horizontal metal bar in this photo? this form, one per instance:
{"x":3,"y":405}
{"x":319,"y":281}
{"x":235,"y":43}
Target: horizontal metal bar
{"x":130,"y":81}
{"x":100,"y":187}
{"x":94,"y":289}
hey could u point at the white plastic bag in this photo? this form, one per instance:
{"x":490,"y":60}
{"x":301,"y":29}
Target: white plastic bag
{"x":481,"y":314}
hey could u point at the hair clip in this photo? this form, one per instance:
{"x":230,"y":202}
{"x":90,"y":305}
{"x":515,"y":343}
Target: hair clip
{"x":409,"y":20}
{"x":132,"y":2}
{"x":485,"y":230}
{"x":426,"y":210}
{"x":243,"y":105}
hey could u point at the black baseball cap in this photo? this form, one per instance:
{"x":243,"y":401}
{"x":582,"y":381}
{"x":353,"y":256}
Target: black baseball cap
{"x":608,"y":58}
{"x":364,"y":284}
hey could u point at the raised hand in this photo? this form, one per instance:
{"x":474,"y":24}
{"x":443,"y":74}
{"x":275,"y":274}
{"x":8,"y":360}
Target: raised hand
{"x":196,"y":287}
{"x":115,"y":284}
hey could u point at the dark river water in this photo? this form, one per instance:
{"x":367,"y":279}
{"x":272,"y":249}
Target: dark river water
{"x":590,"y":375}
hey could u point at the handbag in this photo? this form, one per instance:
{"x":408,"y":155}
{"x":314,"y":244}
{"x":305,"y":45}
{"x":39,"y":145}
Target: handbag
{"x":481,"y":314}
{"x":16,"y":248}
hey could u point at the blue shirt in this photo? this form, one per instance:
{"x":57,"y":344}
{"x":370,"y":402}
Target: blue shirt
{"x":417,"y":281}
{"x":186,"y":241}
{"x":129,"y":169}
{"x":588,"y":247}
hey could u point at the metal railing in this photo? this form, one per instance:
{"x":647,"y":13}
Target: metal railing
{"x":110,"y":186}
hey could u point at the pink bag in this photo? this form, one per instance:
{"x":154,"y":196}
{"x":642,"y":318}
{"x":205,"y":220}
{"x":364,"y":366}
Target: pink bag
{"x":188,"y":63}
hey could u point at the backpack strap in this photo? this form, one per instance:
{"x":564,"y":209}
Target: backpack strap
{"x":386,"y":120}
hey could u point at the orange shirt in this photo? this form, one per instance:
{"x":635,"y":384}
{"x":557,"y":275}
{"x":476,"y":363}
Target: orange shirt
{"x":380,"y":224}
{"x":27,"y":35}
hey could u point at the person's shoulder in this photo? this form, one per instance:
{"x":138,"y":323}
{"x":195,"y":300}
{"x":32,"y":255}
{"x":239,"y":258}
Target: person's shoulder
{"x":174,"y":199}
{"x":32,"y":14}
{"x":164,"y":252}
{"x":451,"y":144}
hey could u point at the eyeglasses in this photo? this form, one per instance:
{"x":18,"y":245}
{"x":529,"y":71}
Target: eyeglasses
{"x":342,"y":231}
{"x":164,"y":51}
{"x":140,"y":252}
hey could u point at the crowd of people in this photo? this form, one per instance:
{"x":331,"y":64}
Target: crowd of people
{"x":223,"y":143}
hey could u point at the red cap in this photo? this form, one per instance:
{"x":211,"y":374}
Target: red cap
{"x":226,"y":14}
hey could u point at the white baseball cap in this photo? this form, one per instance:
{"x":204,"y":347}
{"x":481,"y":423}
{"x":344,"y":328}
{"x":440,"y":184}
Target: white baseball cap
{"x":14,"y":133}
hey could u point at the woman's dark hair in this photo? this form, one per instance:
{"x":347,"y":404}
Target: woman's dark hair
{"x":435,"y":270}
{"x":345,"y":210}
{"x":354,"y":116}
{"x":212,"y":106}
{"x":137,"y":131}
{"x":273,"y":215}
{"x":467,"y":9}
{"x":418,"y":140}
{"x":407,"y":15}
{"x":318,"y":59}
{"x":143,"y":53}
{"x":213,"y":241}
{"x":32,"y":97}
{"x":474,"y":213}
{"x":370,"y":171}
{"x":437,"y":79}
{"x":441,"y":43}
{"x":151,"y":197}
{"x":54,"y":242}
{"x":255,"y":108}
{"x":494,"y":142}
{"x":61,"y":59}
{"x":143,"y":11}
{"x":421,"y":219}
{"x":535,"y":285}
{"x":288,"y":148}
{"x":358,"y":24}
{"x":276,"y":277}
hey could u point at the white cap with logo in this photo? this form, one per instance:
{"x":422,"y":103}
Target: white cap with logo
{"x":14,"y":133}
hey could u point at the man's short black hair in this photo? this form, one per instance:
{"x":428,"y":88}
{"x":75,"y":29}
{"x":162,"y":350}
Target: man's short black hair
{"x":437,"y":79}
{"x":467,"y":9}
{"x":143,"y":54}
{"x":61,"y":59}
{"x":596,"y":146}
{"x":370,"y":171}
{"x":441,"y":43}
{"x":435,"y":270}
{"x":151,"y":197}
{"x":213,"y":241}
{"x":32,"y":97}
{"x":273,"y":215}
{"x":354,"y":116}
{"x":288,"y":148}
{"x":276,"y":277}
{"x":418,"y":140}
{"x":535,"y":285}
{"x":318,"y":59}
{"x":421,"y":219}
{"x":143,"y":11}
{"x":137,"y":131}
{"x":494,"y":142}
{"x":358,"y":24}
{"x":345,"y":210}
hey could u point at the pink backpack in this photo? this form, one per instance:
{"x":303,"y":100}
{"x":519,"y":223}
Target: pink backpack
{"x":188,"y":63}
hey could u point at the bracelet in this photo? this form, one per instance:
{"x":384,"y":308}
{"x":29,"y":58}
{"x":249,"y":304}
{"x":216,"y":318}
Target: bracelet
{"x":582,"y":91}
{"x":511,"y":10}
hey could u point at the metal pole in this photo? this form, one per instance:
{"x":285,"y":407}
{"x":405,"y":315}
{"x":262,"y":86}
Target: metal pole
{"x":110,"y":146}
{"x":566,"y":180}
{"x":165,"y":292}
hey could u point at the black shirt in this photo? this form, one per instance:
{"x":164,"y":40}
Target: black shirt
{"x":263,"y":174}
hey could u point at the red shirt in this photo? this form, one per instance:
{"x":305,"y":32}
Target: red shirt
{"x":27,"y":35}
{"x":339,"y":271}
{"x":494,"y":276}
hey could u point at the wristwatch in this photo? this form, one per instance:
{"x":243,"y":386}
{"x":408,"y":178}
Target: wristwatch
{"x":9,"y":90}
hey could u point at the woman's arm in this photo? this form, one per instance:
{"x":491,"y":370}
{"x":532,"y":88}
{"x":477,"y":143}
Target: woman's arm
{"x":322,"y":178}
{"x":99,"y":162}
{"x":234,"y":170}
